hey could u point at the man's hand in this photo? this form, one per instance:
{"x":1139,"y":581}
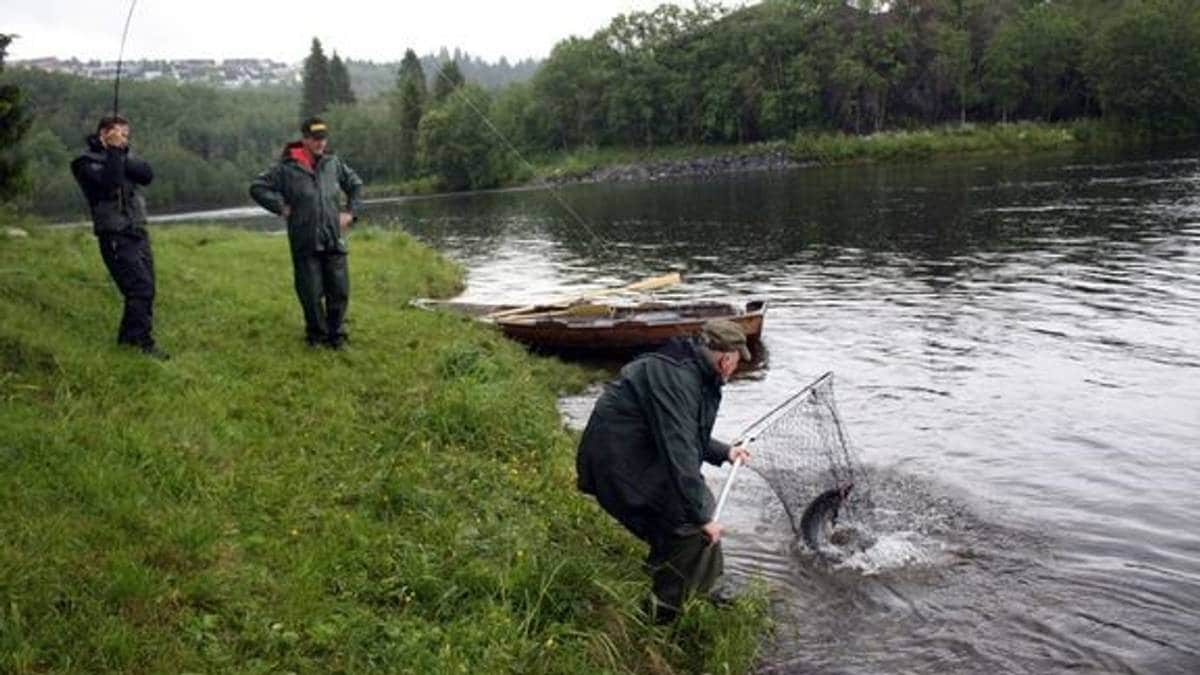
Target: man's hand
{"x":115,"y":137}
{"x":712,"y":530}
{"x":739,"y":452}
{"x":286,"y":212}
{"x":344,"y":220}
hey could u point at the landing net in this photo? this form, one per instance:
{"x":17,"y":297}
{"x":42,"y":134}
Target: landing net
{"x":801,"y":450}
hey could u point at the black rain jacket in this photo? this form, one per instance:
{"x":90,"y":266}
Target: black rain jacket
{"x":641,"y":451}
{"x":111,"y":180}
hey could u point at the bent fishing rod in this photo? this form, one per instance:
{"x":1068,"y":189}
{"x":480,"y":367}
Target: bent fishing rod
{"x":120,"y":59}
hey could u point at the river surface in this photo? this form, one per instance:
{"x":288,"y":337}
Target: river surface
{"x":1016,"y":352}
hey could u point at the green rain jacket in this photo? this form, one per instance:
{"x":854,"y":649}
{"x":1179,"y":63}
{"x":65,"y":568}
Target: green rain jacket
{"x":641,"y":452}
{"x":312,"y":194}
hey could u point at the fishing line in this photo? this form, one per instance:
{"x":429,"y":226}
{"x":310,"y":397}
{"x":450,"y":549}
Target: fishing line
{"x":120,"y":58}
{"x":604,"y":243}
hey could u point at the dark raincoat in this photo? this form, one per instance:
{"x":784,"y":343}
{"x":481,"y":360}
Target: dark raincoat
{"x":313,"y":195}
{"x":111,"y":180}
{"x":641,"y":452}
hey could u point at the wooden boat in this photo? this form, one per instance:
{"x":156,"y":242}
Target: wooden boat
{"x":598,"y":327}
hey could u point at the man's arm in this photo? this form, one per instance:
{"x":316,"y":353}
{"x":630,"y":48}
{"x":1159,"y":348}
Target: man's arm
{"x":100,"y":177}
{"x":265,"y":190}
{"x":138,"y":170}
{"x":716,"y":452}
{"x":351,"y":184}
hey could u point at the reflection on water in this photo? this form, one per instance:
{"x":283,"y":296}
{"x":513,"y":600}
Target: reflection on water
{"x":1018,"y":363}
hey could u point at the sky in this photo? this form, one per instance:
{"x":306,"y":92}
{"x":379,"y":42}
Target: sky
{"x":378,"y":30}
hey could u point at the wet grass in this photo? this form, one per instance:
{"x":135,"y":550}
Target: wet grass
{"x":817,"y":148}
{"x":254,"y":506}
{"x":949,"y":141}
{"x":826,"y":148}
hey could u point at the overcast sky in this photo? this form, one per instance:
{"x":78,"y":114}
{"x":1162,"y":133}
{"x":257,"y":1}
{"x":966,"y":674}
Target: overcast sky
{"x":359,"y":29}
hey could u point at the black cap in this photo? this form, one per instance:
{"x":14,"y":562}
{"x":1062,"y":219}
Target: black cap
{"x":314,"y":127}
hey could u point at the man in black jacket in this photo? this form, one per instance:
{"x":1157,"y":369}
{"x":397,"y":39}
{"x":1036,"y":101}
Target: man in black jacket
{"x":641,"y":452}
{"x":111,"y":178}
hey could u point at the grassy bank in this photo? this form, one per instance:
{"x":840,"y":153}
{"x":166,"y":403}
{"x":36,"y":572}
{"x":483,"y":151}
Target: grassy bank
{"x":255,"y":506}
{"x":950,"y":141}
{"x":838,"y":148}
{"x":814,"y":148}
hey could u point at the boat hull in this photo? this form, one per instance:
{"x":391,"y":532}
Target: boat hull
{"x":629,"y":334}
{"x":615,"y":329}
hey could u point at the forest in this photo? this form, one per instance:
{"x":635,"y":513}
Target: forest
{"x":674,"y":76}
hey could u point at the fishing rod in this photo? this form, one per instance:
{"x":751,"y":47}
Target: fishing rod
{"x":120,"y":59}
{"x":458,"y":90}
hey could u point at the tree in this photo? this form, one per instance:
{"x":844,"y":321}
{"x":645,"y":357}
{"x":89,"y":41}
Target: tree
{"x":318,"y":86}
{"x":1053,"y":42}
{"x":1146,"y":65}
{"x":407,"y":106}
{"x":457,"y":147}
{"x":1003,"y":68}
{"x":447,"y":78}
{"x":339,"y":81}
{"x":14,"y":122}
{"x":572,"y":86}
{"x":953,"y":63}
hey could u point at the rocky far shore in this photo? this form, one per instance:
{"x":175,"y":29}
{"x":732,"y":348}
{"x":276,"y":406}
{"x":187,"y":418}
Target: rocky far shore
{"x":774,"y":160}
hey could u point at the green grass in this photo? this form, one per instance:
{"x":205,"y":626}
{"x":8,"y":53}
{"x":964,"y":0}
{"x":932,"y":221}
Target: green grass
{"x":253,"y":506}
{"x":836,"y":148}
{"x":580,"y":162}
{"x":816,"y":148}
{"x":946,"y":141}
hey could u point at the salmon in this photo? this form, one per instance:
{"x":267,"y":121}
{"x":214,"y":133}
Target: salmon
{"x":822,"y":514}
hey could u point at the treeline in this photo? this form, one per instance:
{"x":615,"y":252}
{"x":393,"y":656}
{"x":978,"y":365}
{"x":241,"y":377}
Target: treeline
{"x":677,"y":76}
{"x":779,"y":70}
{"x":783,"y":68}
{"x":432,"y":127}
{"x":205,"y":144}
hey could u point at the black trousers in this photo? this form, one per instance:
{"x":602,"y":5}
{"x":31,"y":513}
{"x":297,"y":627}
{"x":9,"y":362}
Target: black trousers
{"x":323,"y":286}
{"x":131,"y":264}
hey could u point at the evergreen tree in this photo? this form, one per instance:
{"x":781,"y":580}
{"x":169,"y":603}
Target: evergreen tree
{"x":408,"y":105}
{"x":318,"y":86}
{"x":14,"y":122}
{"x":447,"y":78}
{"x":339,"y":79}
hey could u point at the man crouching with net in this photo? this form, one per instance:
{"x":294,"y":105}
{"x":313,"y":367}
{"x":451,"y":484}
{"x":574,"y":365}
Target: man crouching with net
{"x":641,"y":452}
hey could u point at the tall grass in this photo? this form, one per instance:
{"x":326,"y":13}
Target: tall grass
{"x":255,"y":506}
{"x":827,"y":148}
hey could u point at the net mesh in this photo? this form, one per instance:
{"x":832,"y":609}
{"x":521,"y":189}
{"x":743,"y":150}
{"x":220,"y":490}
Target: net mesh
{"x":801,"y":450}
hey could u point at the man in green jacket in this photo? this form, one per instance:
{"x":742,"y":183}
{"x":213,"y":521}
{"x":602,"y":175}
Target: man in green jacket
{"x":641,"y":452}
{"x":304,"y":187}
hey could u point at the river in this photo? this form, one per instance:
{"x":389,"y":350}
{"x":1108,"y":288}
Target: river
{"x":1016,"y":350}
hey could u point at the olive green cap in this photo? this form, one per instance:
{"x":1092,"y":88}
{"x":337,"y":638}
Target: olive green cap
{"x":723,"y":335}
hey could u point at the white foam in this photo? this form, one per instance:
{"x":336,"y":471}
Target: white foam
{"x":888,"y":552}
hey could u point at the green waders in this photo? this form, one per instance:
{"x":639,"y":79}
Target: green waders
{"x":681,"y":564}
{"x":323,"y":287}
